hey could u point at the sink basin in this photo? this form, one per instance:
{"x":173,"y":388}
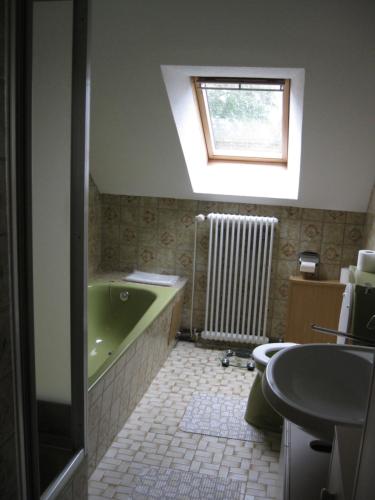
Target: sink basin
{"x":318,"y":386}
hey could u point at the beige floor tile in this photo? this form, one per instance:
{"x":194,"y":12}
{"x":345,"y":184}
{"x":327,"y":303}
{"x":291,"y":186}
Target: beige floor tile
{"x":151,"y":435}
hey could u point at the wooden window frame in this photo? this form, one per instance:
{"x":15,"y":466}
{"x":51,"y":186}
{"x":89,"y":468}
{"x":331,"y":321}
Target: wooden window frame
{"x":206,"y":127}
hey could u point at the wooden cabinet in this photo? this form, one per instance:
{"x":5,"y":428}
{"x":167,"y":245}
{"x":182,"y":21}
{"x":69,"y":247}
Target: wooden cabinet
{"x":311,"y":302}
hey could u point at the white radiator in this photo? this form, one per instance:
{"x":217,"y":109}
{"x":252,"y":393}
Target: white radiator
{"x":238,"y":277}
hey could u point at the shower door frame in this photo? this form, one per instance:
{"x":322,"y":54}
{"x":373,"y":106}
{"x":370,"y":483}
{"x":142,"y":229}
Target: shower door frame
{"x":18,"y":112}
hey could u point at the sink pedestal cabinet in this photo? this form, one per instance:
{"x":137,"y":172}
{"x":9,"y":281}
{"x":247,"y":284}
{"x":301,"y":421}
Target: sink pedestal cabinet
{"x":308,"y":474}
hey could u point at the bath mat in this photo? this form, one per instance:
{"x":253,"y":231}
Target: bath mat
{"x":161,"y":483}
{"x":220,"y":416}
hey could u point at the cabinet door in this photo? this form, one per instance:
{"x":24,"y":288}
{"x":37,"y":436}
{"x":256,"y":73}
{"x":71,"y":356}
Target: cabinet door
{"x":310,"y":303}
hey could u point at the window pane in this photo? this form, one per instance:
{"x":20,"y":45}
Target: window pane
{"x":246,"y":122}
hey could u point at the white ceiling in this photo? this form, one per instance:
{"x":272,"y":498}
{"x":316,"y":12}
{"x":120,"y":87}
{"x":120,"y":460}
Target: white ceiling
{"x":135,"y":148}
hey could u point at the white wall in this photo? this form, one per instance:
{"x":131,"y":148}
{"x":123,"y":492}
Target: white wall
{"x":51,"y":121}
{"x":134,"y":143}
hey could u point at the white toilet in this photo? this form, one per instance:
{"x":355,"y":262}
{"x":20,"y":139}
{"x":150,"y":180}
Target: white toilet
{"x":258,"y":412}
{"x":263,"y":353}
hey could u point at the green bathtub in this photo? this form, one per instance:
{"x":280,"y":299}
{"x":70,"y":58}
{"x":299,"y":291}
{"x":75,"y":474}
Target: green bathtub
{"x":116,"y":319}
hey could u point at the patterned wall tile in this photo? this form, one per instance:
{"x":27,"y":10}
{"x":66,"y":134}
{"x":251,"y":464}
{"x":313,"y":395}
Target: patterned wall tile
{"x":170,"y":203}
{"x":111,"y":213}
{"x":247,"y":209}
{"x":280,"y":310}
{"x":333,"y":233}
{"x":290,"y":229}
{"x":129,"y":215}
{"x":147,"y":256}
{"x":353,"y":235}
{"x":312,"y":214}
{"x":111,"y":199}
{"x":167,"y":219}
{"x":329,"y":271}
{"x":281,"y":289}
{"x":334,"y":216}
{"x":148,"y":217}
{"x":128,"y":257}
{"x":148,"y":202}
{"x":206,"y":207}
{"x":110,"y":257}
{"x":355,"y":218}
{"x":184,"y":262}
{"x":163,"y":241}
{"x":128,"y":235}
{"x":188,"y":205}
{"x":291,"y":213}
{"x":310,"y":246}
{"x":185,"y":238}
{"x":311,"y":231}
{"x":330,"y":253}
{"x":133,"y":201}
{"x":286,"y":268}
{"x":288,"y":249}
{"x":166,"y":237}
{"x":270,"y":211}
{"x":166,"y":258}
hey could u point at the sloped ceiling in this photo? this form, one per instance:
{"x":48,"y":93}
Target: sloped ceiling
{"x":135,"y":148}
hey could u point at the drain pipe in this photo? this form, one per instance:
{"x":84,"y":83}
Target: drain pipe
{"x":198,"y":219}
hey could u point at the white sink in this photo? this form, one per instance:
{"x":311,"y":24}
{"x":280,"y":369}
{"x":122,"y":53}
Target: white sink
{"x":318,"y":386}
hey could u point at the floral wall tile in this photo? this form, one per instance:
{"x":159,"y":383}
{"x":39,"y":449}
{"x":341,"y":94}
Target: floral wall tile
{"x":110,"y":214}
{"x":247,"y":209}
{"x":128,"y":234}
{"x":334,"y":216}
{"x":291,"y":213}
{"x":170,"y":203}
{"x":311,"y":231}
{"x":162,"y":240}
{"x":333,"y":233}
{"x":355,"y":218}
{"x":288,"y":249}
{"x":189,"y":205}
{"x":290,"y":229}
{"x":129,"y":215}
{"x":148,"y":217}
{"x":331,"y":253}
{"x":329,"y":271}
{"x":133,"y":201}
{"x":312,"y":214}
{"x":353,"y":234}
{"x":281,"y":289}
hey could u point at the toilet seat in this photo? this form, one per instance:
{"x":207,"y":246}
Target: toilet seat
{"x":260,"y":352}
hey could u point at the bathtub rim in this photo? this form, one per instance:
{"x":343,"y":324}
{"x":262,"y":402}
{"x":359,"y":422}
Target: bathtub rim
{"x":157,"y":307}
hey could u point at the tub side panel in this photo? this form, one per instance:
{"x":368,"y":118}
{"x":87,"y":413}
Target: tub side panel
{"x":117,"y":393}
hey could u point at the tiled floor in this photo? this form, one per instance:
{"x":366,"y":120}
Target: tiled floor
{"x":151,"y":437}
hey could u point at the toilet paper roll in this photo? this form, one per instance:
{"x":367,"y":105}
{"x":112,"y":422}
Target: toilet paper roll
{"x":366,"y":261}
{"x":307,"y":267}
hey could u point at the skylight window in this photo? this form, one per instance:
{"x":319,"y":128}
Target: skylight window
{"x":245,"y":119}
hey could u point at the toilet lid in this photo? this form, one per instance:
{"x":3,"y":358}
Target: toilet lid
{"x":261,"y":352}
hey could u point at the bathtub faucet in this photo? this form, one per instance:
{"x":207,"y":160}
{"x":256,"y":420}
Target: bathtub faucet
{"x":124,"y":296}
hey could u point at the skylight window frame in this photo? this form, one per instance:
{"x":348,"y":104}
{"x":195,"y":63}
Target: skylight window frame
{"x":206,"y":122}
